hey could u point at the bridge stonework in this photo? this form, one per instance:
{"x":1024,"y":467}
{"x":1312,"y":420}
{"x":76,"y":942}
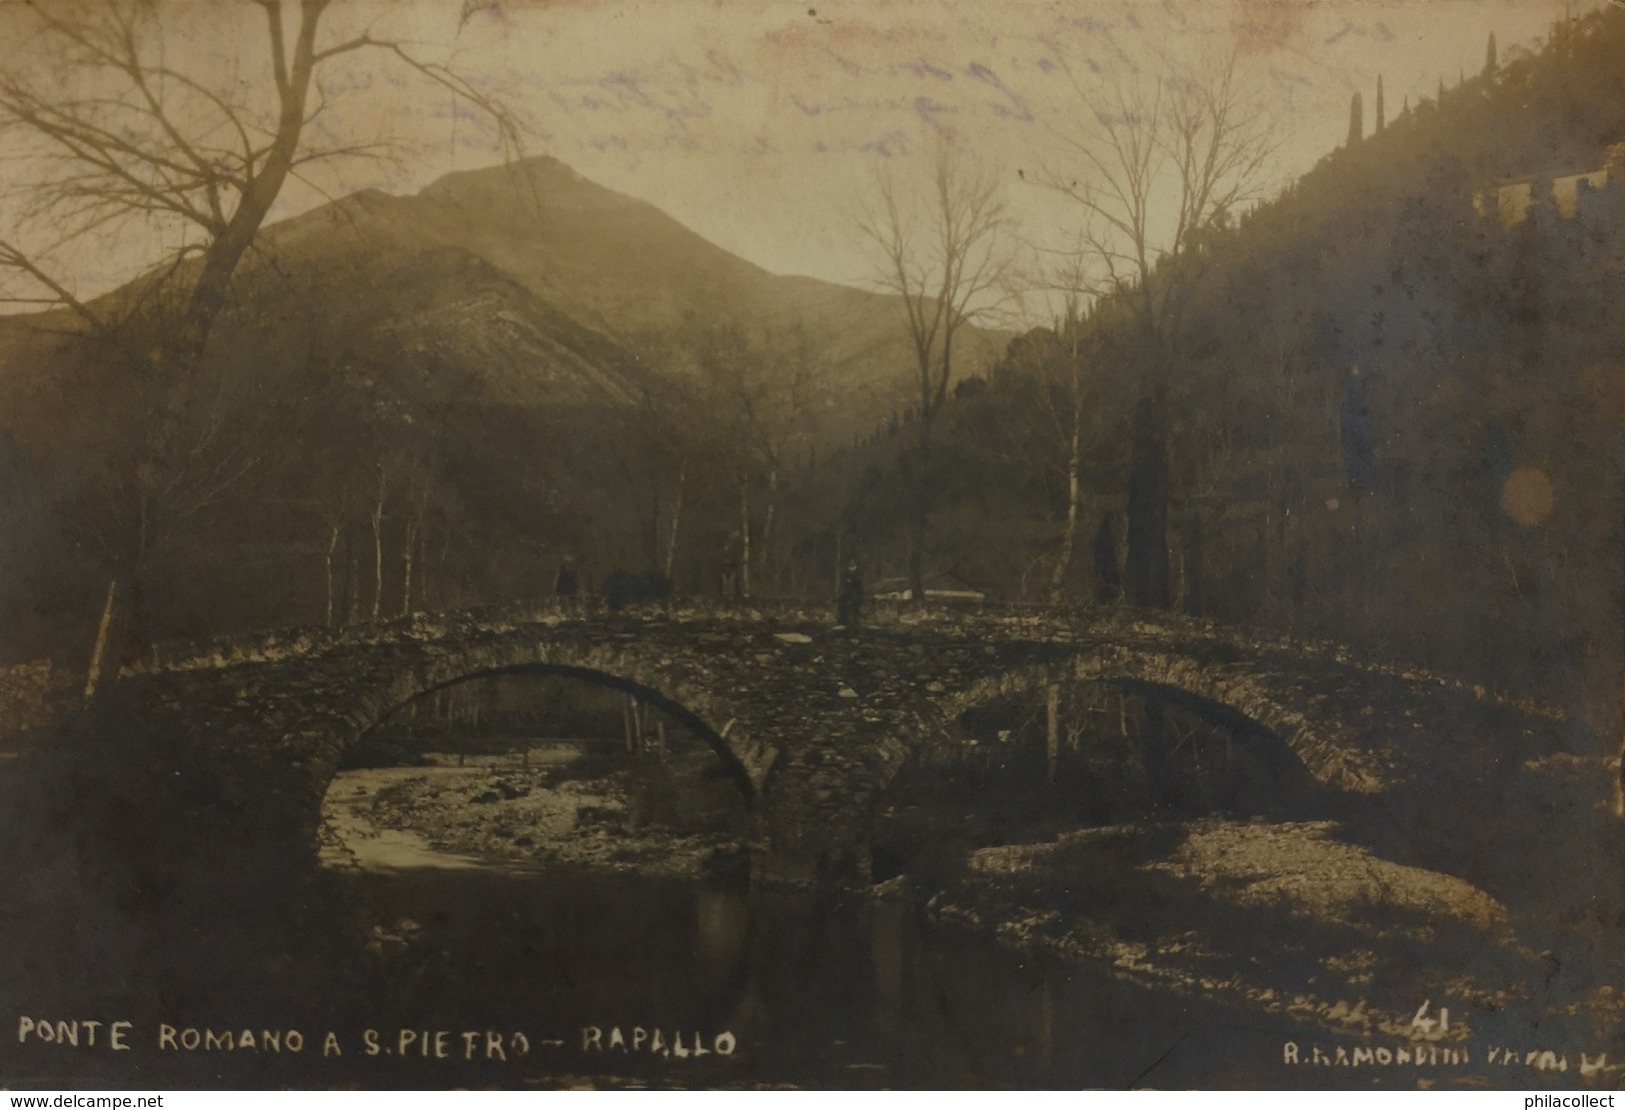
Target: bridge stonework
{"x":814,"y":723}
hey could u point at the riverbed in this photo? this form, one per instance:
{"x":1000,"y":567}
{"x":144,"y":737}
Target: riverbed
{"x":1107,"y":958}
{"x":524,"y":812}
{"x":811,"y":988}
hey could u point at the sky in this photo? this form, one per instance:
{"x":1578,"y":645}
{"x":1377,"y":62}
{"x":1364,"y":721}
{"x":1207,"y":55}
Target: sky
{"x":760,"y":124}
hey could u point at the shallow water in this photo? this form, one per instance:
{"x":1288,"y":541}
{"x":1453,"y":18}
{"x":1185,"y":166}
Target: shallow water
{"x":373,"y":847}
{"x":805,"y":988}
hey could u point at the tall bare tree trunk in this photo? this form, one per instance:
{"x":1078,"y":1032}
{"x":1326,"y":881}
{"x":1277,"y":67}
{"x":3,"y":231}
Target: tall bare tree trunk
{"x":378,"y":545}
{"x":941,"y":288}
{"x":332,"y":548}
{"x":744,"y":539}
{"x":676,"y":519}
{"x":352,"y":583}
{"x":406,"y":572}
{"x":447,"y":601}
{"x":423,"y":572}
{"x":766,"y":544}
{"x":414,"y":524}
{"x":1074,"y":493}
{"x":94,"y":674}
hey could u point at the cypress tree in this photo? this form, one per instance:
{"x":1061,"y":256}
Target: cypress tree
{"x":1490,"y":61}
{"x":1356,"y":120}
{"x":1381,"y":111}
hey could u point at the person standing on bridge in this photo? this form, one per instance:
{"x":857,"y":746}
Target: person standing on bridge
{"x":849,"y":602}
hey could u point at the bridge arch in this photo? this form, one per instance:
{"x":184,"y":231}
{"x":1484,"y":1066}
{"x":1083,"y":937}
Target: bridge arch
{"x":646,"y":694}
{"x":1227,"y":694}
{"x":321,"y":730}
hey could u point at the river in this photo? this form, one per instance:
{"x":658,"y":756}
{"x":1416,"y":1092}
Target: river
{"x":802,"y":988}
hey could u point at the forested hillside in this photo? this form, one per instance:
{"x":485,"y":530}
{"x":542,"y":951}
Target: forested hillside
{"x":1391,"y":406}
{"x":429,"y":402}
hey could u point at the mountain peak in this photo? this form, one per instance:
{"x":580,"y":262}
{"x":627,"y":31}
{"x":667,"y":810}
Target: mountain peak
{"x":543,"y":177}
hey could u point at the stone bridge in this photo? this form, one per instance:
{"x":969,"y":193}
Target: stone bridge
{"x":814,"y":723}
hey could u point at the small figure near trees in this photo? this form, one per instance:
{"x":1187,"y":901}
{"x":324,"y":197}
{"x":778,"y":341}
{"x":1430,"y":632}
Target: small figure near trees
{"x":567,"y":585}
{"x":849,"y":603}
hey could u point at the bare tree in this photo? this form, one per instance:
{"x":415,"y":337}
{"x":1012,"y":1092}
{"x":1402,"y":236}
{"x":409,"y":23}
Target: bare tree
{"x":656,"y":449}
{"x":757,"y":387}
{"x":335,"y":516}
{"x":417,"y":509}
{"x":1071,"y":334}
{"x":106,"y":133}
{"x":1066,"y":393}
{"x":668,"y":556}
{"x":790,"y":425}
{"x":948,"y":257}
{"x":376,"y":516}
{"x":1157,"y":164}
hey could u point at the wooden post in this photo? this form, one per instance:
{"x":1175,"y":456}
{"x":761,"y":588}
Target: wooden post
{"x":101,"y":642}
{"x":1052,"y":735}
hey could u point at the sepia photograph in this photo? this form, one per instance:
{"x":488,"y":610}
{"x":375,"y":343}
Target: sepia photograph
{"x":836,"y":545}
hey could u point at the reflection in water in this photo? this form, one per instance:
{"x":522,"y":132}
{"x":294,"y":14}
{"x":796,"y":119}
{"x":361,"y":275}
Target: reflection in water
{"x":820,"y":989}
{"x":886,"y":950}
{"x":723,"y":922}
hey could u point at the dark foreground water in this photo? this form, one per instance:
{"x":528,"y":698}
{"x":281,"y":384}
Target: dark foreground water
{"x":480,"y":977}
{"x":777,"y":987}
{"x":425,"y":969}
{"x":429,"y":970}
{"x":465,"y":975}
